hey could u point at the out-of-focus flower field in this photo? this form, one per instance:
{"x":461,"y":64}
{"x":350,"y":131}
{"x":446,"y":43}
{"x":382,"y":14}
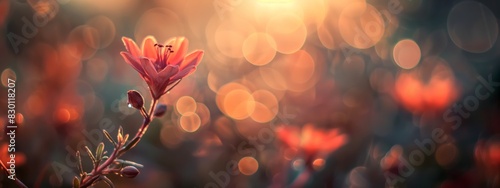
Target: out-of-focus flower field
{"x":289,"y":93}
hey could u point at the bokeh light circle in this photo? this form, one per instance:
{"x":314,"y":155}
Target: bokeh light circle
{"x":185,"y":104}
{"x":259,"y":49}
{"x":171,"y":25}
{"x":248,"y":165}
{"x":406,"y":54}
{"x":82,"y":42}
{"x":230,"y":36}
{"x":105,"y":28}
{"x":472,"y":26}
{"x":6,"y":75}
{"x":190,"y":122}
{"x":288,"y":31}
{"x":239,"y":104}
{"x":361,"y":25}
{"x":266,"y":106}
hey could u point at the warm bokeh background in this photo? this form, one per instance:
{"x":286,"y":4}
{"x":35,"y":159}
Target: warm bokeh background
{"x":305,"y":93}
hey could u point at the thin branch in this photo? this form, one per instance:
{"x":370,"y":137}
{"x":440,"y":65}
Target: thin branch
{"x":120,"y":149}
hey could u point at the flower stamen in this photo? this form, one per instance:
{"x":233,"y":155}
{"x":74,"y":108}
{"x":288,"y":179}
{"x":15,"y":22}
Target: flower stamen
{"x":163,"y":55}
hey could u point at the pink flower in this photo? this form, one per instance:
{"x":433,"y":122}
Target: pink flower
{"x":161,"y":65}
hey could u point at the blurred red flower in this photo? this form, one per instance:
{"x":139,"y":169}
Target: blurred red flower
{"x":161,"y":65}
{"x":488,"y":155}
{"x":312,"y":140}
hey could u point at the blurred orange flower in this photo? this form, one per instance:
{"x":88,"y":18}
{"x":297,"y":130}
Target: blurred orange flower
{"x":161,"y":65}
{"x":416,"y":95}
{"x":312,"y":140}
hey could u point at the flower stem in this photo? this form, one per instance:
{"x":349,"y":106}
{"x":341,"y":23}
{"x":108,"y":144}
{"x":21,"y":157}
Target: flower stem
{"x":120,"y":149}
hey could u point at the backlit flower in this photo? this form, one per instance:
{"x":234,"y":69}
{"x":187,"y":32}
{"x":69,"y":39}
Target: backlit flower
{"x":312,"y":140}
{"x":162,"y":66}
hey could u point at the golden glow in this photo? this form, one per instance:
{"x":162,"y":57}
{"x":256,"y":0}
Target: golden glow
{"x":239,"y":104}
{"x":361,"y":25}
{"x":274,"y":1}
{"x":235,"y":29}
{"x":288,"y":31}
{"x":259,"y":49}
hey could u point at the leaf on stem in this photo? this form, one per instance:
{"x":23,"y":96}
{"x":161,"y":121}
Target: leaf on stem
{"x":76,"y":182}
{"x":131,"y":144}
{"x":80,"y":166}
{"x":90,"y":155}
{"x":99,"y":151}
{"x":119,"y":137}
{"x":109,"y":137}
{"x":125,"y":139}
{"x":128,"y":163}
{"x":108,"y":181}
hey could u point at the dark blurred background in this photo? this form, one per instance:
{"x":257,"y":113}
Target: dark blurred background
{"x":290,"y":93}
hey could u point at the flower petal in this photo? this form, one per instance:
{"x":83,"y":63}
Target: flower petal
{"x":167,"y":73}
{"x":180,"y":47}
{"x":184,"y":72}
{"x":193,"y":58}
{"x":148,"y":47}
{"x":148,"y":67}
{"x":132,"y":61}
{"x":131,"y":47}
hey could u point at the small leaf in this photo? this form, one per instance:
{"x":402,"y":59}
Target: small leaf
{"x":125,"y":139}
{"x":120,"y":130}
{"x":99,"y":151}
{"x":131,"y":144}
{"x":105,"y":157}
{"x":119,"y":137}
{"x":128,"y":163}
{"x":109,"y":137}
{"x":108,"y":181}
{"x":76,"y":182}
{"x":80,"y":166}
{"x":90,"y":154}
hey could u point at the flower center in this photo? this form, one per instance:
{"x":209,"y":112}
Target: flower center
{"x":163,"y":53}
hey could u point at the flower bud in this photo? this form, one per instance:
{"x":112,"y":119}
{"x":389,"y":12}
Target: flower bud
{"x":160,"y":110}
{"x":129,"y":172}
{"x":135,"y":99}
